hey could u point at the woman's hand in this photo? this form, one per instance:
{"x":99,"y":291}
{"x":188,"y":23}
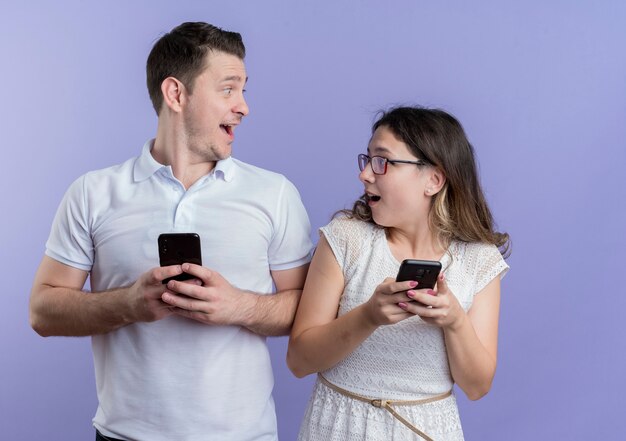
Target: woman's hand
{"x":383,"y":308}
{"x":439,"y":307}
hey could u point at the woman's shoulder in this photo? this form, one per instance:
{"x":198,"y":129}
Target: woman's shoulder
{"x":474,"y":248}
{"x":343,"y":226}
{"x":349,"y":239}
{"x":479,"y":259}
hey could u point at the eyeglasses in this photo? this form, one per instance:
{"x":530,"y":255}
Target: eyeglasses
{"x":379,"y":164}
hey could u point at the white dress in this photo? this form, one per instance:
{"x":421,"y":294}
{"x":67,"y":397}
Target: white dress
{"x":405,"y":361}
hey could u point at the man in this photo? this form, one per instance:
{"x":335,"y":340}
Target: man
{"x":185,"y":360}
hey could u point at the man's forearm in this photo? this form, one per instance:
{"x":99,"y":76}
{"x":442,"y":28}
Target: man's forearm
{"x":272,"y":314}
{"x":72,"y":312}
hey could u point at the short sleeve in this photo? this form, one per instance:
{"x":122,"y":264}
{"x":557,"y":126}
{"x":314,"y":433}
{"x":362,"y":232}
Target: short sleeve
{"x":346,"y":238}
{"x":335,"y":235}
{"x":489,"y":265}
{"x":70,"y":239}
{"x":291,"y":244}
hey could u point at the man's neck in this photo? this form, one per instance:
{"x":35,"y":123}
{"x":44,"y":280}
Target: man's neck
{"x":170,"y":149}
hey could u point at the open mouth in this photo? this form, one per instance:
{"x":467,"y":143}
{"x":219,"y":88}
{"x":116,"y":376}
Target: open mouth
{"x":227,"y":128}
{"x":372,"y":197}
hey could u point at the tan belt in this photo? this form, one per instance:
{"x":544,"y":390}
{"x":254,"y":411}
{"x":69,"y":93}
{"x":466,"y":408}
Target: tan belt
{"x":387,"y":404}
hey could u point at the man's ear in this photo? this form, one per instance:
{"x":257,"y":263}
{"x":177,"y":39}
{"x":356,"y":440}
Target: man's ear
{"x":436,"y":181}
{"x":173,"y":94}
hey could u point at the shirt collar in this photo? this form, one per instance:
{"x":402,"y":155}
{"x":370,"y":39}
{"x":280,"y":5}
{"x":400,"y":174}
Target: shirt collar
{"x":146,"y":165}
{"x":225,"y":169}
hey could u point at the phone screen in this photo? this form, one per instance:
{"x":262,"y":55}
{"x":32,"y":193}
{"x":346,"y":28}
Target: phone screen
{"x":424,"y":272}
{"x":179,"y":248}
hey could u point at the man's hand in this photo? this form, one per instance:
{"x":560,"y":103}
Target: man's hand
{"x":59,"y":306}
{"x":145,"y":294}
{"x":216,"y":302}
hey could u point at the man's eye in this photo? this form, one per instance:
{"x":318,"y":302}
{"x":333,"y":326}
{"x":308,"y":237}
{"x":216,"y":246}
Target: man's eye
{"x":228,"y":90}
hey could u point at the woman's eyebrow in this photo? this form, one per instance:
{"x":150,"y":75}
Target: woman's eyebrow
{"x":378,"y":149}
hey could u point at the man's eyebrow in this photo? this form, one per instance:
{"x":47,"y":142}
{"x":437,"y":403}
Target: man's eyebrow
{"x":236,"y":78}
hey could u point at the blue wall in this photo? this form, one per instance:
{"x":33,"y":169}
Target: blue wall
{"x":539,"y":86}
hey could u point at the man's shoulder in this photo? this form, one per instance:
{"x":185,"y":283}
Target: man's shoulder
{"x":94,"y":181}
{"x":245,"y":167}
{"x":254,"y":174}
{"x":124,"y":169}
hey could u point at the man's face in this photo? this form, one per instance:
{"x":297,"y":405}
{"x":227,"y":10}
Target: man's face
{"x":215,"y":107}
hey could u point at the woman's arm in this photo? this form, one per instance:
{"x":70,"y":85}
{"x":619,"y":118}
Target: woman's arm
{"x":319,"y":339}
{"x":471,"y":338}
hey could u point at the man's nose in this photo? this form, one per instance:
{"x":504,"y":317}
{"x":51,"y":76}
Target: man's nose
{"x":242,"y":107}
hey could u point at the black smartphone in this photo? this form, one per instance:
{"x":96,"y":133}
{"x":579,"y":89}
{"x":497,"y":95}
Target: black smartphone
{"x":424,"y":272}
{"x":178,"y":248}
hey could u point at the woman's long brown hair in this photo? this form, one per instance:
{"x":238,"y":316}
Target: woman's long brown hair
{"x":459,"y":210}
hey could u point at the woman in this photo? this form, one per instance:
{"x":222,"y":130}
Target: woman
{"x":373,"y":339}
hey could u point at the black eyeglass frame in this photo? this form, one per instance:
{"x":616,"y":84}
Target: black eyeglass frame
{"x":368,"y":160}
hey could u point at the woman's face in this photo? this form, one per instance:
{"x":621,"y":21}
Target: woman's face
{"x":399,"y":197}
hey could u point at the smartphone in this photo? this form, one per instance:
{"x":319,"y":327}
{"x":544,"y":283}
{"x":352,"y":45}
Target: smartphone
{"x":424,"y":272}
{"x":178,"y":248}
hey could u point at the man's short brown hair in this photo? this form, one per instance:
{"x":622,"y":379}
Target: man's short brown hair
{"x":181,"y":53}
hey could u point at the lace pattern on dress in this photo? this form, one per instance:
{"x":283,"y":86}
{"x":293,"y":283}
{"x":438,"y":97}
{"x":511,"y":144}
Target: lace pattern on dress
{"x":405,"y":361}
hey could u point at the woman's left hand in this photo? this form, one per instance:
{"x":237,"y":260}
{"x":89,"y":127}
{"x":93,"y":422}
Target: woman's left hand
{"x":438,"y":307}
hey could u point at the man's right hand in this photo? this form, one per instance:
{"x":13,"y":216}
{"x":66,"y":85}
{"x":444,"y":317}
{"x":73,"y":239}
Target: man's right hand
{"x":145,"y":294}
{"x":59,"y":306}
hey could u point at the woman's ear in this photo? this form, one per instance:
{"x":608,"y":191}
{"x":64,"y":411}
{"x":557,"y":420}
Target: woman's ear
{"x":173,"y":94}
{"x":436,"y":181}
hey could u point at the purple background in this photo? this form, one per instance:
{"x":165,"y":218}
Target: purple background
{"x":539,"y":87}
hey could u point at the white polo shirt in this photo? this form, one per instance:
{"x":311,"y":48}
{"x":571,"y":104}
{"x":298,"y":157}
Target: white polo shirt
{"x":177,"y":379}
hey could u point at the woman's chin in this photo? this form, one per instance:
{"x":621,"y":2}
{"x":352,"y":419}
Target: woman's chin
{"x":380,"y":220}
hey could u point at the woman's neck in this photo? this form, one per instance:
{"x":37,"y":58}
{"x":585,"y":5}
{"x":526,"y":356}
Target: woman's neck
{"x":418,"y":244}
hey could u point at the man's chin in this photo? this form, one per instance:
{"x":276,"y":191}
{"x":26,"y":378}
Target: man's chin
{"x":224,"y":154}
{"x":213,"y":153}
